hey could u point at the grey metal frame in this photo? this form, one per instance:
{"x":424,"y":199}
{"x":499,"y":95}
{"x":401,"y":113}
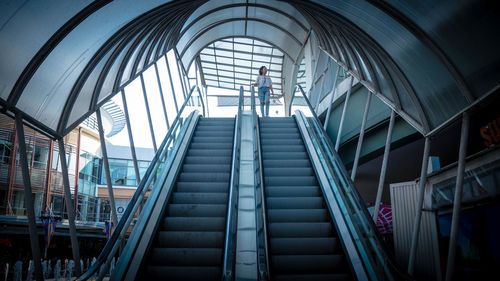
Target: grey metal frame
{"x":160,"y":89}
{"x":344,"y":109}
{"x":131,"y":138}
{"x":69,"y":207}
{"x":107,"y":172}
{"x":330,"y":104}
{"x":28,"y":198}
{"x":361,"y":136}
{"x":148,"y":112}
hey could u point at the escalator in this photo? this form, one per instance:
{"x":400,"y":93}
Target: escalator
{"x":303,"y":242}
{"x":189,"y":242}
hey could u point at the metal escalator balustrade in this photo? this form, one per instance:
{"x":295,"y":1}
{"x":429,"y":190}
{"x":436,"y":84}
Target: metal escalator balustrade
{"x":159,"y":167}
{"x":344,"y":197}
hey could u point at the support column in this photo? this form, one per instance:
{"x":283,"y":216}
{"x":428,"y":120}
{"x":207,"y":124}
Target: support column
{"x":148,"y":112}
{"x":341,"y":125}
{"x":361,"y":136}
{"x":106,"y":168}
{"x":28,"y":198}
{"x":334,"y":89}
{"x":131,"y":139}
{"x":77,"y":170}
{"x":69,"y":206}
{"x":181,"y":78}
{"x":383,"y":169}
{"x":457,"y":201}
{"x":161,"y":95}
{"x":418,"y":215}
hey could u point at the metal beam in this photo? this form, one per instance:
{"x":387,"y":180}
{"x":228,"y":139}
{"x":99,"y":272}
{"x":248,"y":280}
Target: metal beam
{"x":171,"y":84}
{"x":341,"y":125}
{"x":148,"y":113}
{"x":457,"y":201}
{"x":334,"y":89}
{"x":131,"y":139}
{"x":28,"y":198}
{"x":161,"y":94}
{"x":383,"y":169}
{"x":105,"y":161}
{"x":418,"y":215}
{"x":361,"y":136}
{"x":69,"y":206}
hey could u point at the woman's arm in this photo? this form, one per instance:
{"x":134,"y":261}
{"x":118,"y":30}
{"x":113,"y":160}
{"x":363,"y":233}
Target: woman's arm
{"x":271,"y":88}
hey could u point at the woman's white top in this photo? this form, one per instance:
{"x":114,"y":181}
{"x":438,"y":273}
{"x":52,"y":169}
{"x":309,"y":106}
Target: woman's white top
{"x":263,"y":81}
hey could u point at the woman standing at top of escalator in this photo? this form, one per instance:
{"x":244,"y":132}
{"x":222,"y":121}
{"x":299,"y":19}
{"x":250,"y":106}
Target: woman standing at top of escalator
{"x":265,"y":86}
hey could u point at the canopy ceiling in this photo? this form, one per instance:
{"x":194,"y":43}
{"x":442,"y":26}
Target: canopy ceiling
{"x":429,"y":60}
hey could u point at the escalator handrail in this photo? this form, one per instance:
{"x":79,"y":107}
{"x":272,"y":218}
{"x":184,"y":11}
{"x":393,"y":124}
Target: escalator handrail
{"x":116,"y":237}
{"x":229,"y":247}
{"x":335,"y":158}
{"x":260,"y":178}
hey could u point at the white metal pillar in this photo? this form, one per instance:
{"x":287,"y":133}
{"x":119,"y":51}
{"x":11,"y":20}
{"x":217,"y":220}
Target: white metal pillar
{"x":361,"y":136}
{"x":341,"y":125}
{"x":334,"y":89}
{"x":418,"y":215}
{"x":457,"y":201}
{"x":383,"y":169}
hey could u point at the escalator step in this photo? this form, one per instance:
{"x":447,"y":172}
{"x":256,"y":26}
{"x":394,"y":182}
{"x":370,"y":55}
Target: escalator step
{"x":212,"y":139}
{"x":278,"y":125}
{"x":315,"y":277}
{"x":210,"y":152}
{"x":200,"y":145}
{"x":282,"y":142}
{"x":209,"y":160}
{"x":199,"y":198}
{"x":202,"y":187}
{"x":186,"y":256}
{"x":293,"y":191}
{"x":280,"y":136}
{"x":279,"y":163}
{"x":204,"y":177}
{"x":196,"y":210}
{"x":303,"y":246}
{"x":286,"y":171}
{"x":290,"y":181}
{"x":298,"y":215}
{"x":301,"y":229}
{"x":295,"y":203}
{"x":282,"y":148}
{"x":279,"y":130}
{"x":285,"y":155}
{"x":308,"y":263}
{"x":184,"y":273}
{"x":200,"y":168}
{"x":193,"y":224}
{"x":214,"y":133}
{"x":190,"y":239}
{"x":211,"y":128}
{"x":277,"y":120}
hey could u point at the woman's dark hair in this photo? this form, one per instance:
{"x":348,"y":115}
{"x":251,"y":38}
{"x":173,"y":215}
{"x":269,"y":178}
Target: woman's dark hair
{"x":261,"y":69}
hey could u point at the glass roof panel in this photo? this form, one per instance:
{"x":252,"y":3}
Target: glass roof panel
{"x":237,"y":61}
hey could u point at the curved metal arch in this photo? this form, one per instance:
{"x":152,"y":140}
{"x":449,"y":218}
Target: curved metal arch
{"x":363,"y":36}
{"x":200,"y":33}
{"x":48,"y":47}
{"x":248,"y":37}
{"x":126,"y":60}
{"x":110,"y":43}
{"x":343,"y":41}
{"x":184,"y":30}
{"x":423,"y":37}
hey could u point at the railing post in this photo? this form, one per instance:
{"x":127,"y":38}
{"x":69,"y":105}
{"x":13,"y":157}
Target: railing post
{"x":334,"y":89}
{"x":341,"y":125}
{"x":457,"y":201}
{"x":148,"y":112}
{"x":418,"y":215}
{"x":69,"y":206}
{"x":171,"y":84}
{"x":383,"y":169}
{"x":105,"y":161}
{"x":361,"y":136}
{"x":28,"y":198}
{"x":131,"y":139}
